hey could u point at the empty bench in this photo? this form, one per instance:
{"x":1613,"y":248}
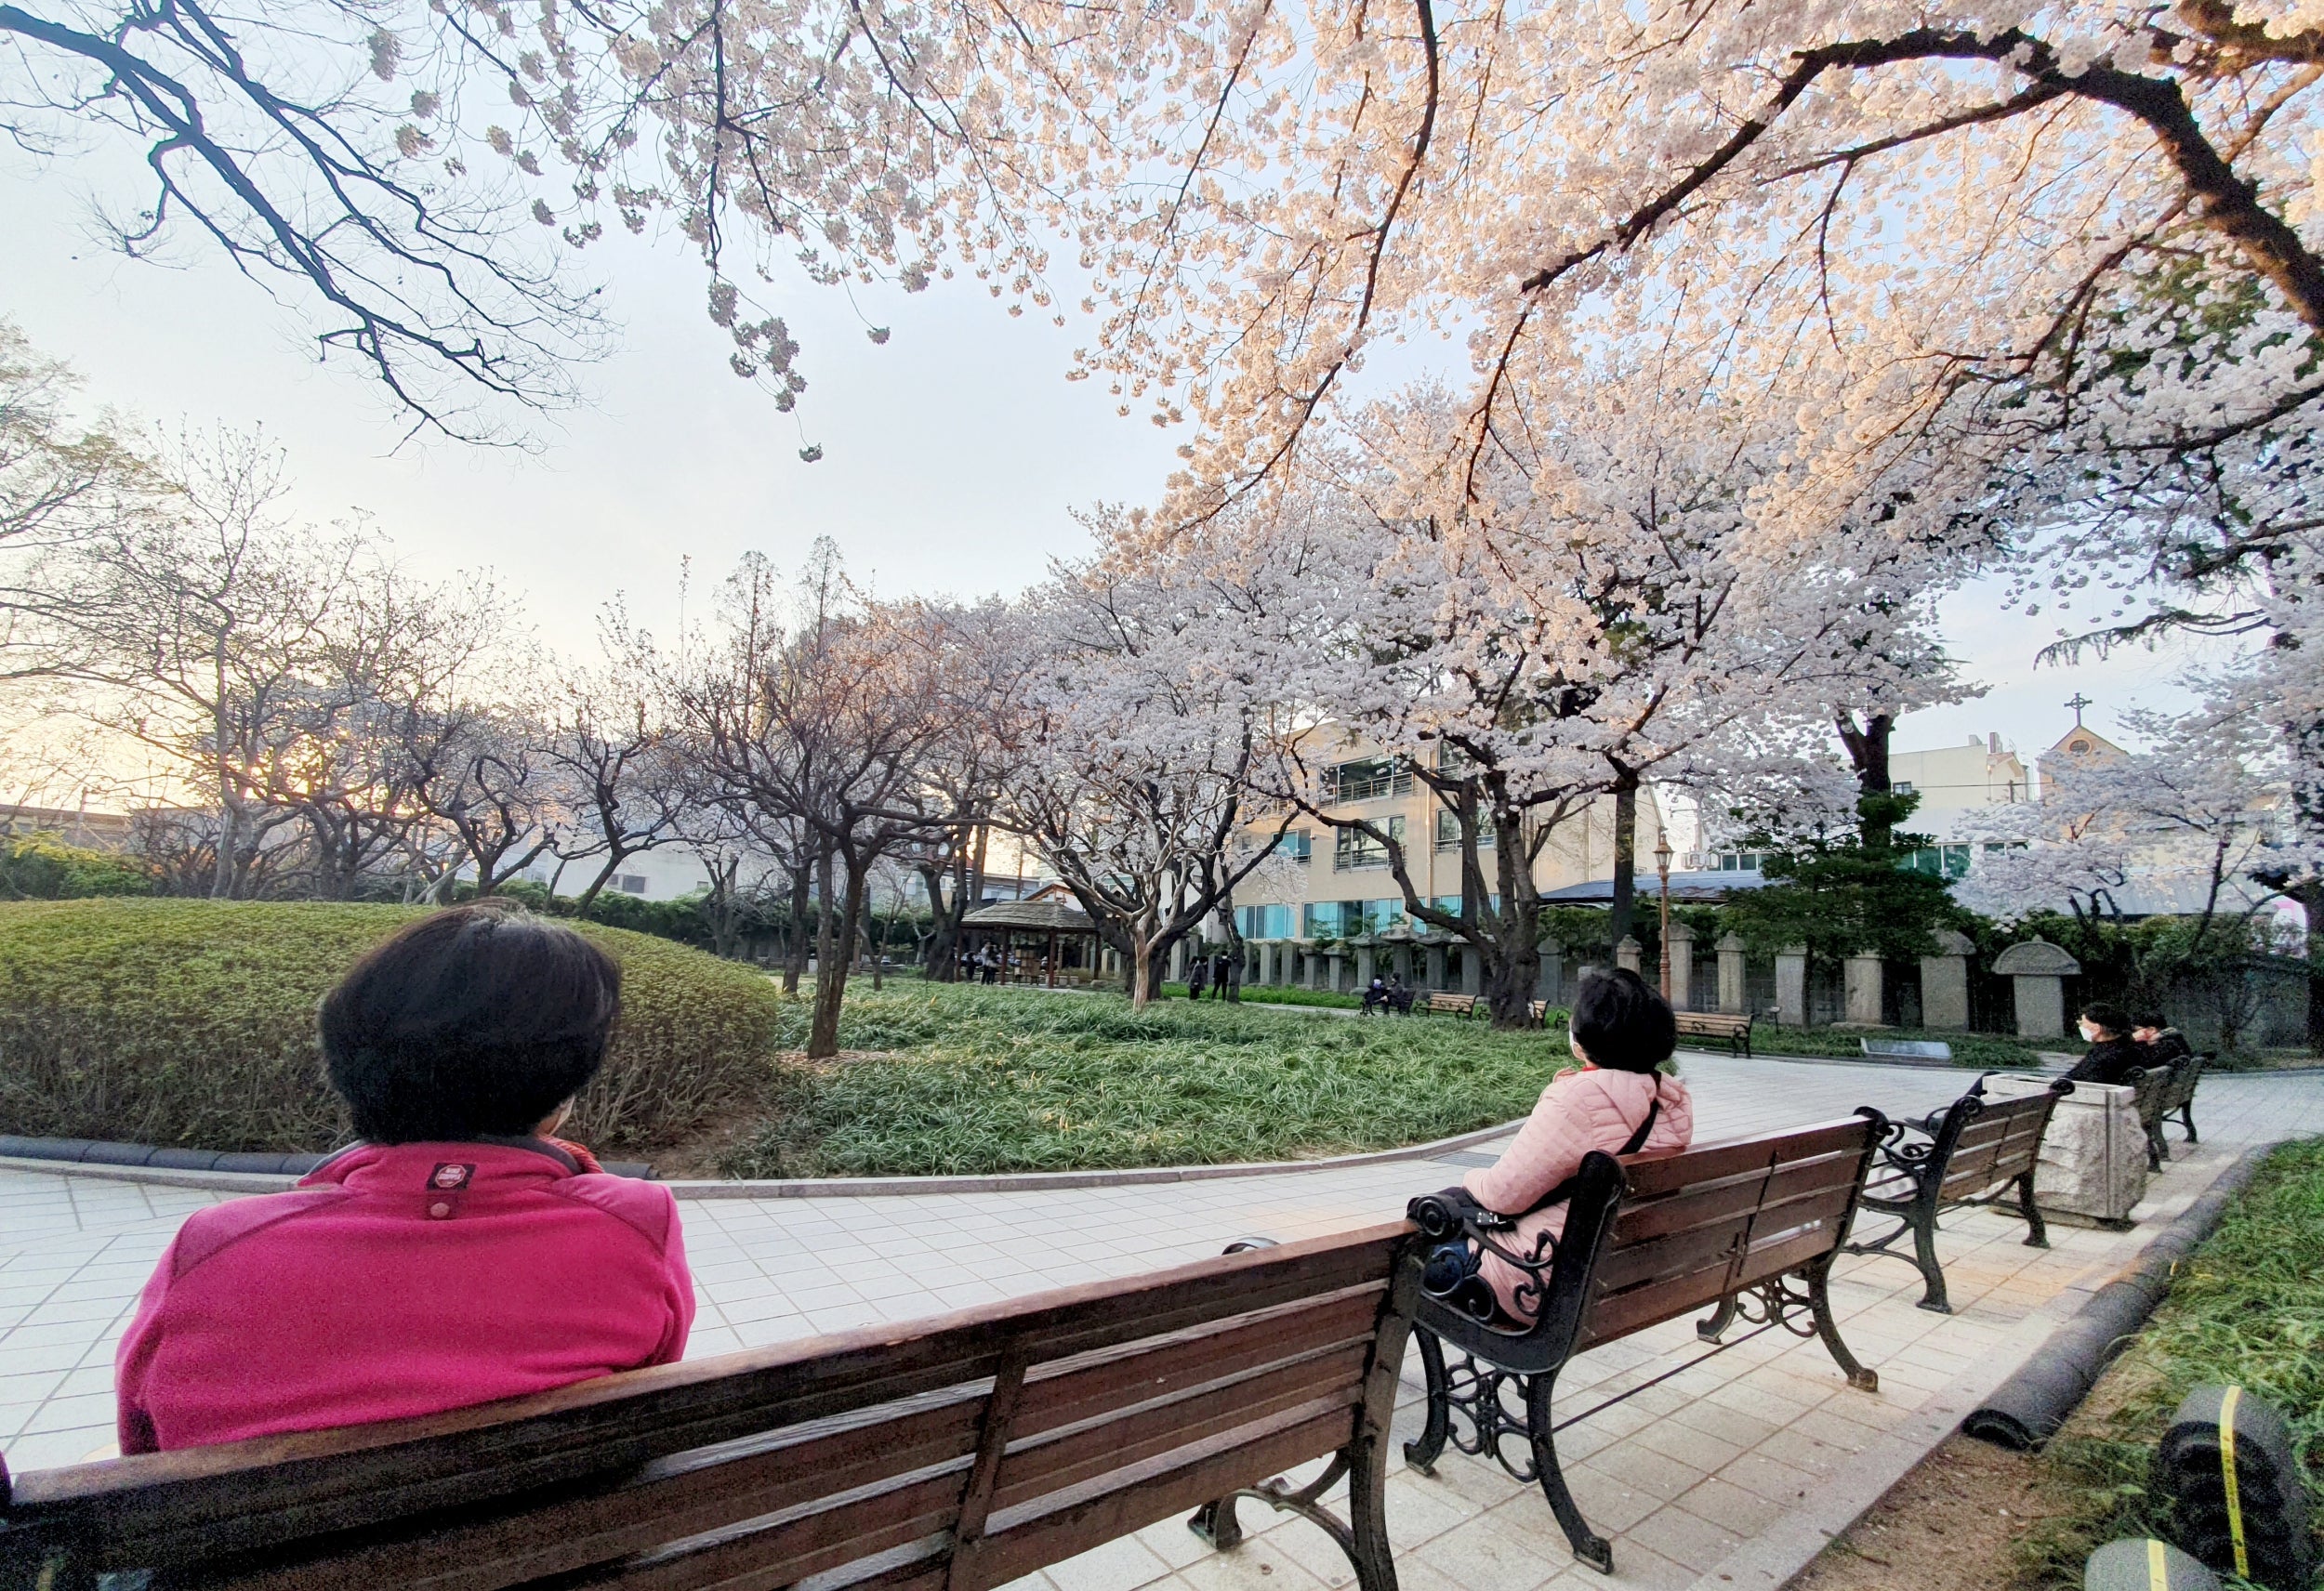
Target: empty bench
{"x":1975,"y":1152}
{"x":1747,"y":1227}
{"x":1907,"y":1049}
{"x":948,"y":1454}
{"x":1735,"y":1032}
{"x":1455,"y":1004}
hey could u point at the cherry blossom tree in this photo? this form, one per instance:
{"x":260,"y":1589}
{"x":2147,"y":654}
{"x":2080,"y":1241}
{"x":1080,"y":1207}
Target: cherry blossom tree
{"x":1150,"y":743}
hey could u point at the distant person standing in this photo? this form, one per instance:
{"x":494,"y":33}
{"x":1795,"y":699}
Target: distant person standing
{"x":1197,"y":978}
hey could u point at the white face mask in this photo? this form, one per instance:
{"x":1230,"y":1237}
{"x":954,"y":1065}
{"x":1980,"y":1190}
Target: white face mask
{"x":2089,"y":1029}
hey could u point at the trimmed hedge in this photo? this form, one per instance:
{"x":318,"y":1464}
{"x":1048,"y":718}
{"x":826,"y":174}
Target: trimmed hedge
{"x":192,"y":1023}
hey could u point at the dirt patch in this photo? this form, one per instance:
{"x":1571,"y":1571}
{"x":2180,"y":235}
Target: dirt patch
{"x":1952,"y":1524}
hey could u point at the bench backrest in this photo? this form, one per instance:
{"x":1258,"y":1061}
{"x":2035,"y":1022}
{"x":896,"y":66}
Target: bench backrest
{"x":1460,"y":1002}
{"x":1711,"y":1022}
{"x":2151,"y":1086}
{"x":2186,"y":1072}
{"x":1990,"y":1143}
{"x":1705,"y":1223}
{"x":960,"y":1452}
{"x":1648,"y":1237}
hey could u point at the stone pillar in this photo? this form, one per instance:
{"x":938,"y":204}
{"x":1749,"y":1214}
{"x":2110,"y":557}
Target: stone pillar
{"x":1363,"y":967}
{"x":1436,"y":967}
{"x":2093,"y":1157}
{"x":2038,"y":971}
{"x":1315,"y":970}
{"x":1862,"y":976}
{"x":1547,"y":982}
{"x":1791,"y":986}
{"x":1733,"y":998}
{"x":1404,"y":964}
{"x":1628,"y":953}
{"x":1332,"y":971}
{"x":1178,"y":961}
{"x":1678,"y":952}
{"x":1472,"y":970}
{"x":1945,"y":982}
{"x":1266,"y":964}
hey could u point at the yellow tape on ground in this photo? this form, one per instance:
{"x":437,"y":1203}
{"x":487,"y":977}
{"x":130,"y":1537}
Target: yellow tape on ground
{"x":2228,"y":1471}
{"x":2157,"y":1568}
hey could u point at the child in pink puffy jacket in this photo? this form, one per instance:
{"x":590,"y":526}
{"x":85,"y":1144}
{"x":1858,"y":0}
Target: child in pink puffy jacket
{"x":1622,"y":1032}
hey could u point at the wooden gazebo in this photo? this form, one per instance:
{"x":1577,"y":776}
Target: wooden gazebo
{"x":1057,"y":924}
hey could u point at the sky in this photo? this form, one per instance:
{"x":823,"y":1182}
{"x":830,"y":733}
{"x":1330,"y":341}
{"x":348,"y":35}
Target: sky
{"x":955,"y":456}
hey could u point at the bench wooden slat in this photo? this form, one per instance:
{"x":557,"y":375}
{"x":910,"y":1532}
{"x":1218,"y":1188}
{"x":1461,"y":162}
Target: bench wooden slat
{"x":1022,"y":1540}
{"x":1699,"y":1273}
{"x":1652,"y":1174}
{"x":685,"y":1496}
{"x":1062,"y":1392}
{"x":1059,"y":1462}
{"x":1744,"y":1190}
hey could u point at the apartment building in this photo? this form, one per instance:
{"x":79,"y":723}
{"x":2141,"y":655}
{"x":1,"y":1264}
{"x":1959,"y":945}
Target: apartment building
{"x":1331,"y":882}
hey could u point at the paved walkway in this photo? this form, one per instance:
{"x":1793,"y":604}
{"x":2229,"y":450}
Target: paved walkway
{"x":1691,"y":1478}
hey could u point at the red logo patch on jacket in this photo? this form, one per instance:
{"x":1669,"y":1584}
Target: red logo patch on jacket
{"x":449,"y":1177}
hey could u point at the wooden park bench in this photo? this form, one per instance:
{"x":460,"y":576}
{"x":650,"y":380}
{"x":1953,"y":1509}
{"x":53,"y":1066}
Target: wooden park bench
{"x":1732,"y":1031}
{"x":1975,"y":1151}
{"x":1455,"y":1004}
{"x":948,"y":1454}
{"x":1907,"y":1049}
{"x":1748,"y":1227}
{"x":2163,"y":1092}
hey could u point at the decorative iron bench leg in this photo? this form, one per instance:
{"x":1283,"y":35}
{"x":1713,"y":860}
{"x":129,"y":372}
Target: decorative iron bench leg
{"x":1422,"y":1454}
{"x":2037,"y":1235}
{"x":2157,"y":1150}
{"x":1820,"y":1299}
{"x":1365,"y":1541}
{"x":2187,"y":1120}
{"x":1591,"y":1547}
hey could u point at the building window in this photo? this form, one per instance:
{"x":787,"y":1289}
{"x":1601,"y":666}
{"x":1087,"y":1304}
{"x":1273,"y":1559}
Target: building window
{"x":1452,"y":904}
{"x":1448,"y":831}
{"x":1298,"y":845}
{"x":1356,"y":848}
{"x":1740,"y":861}
{"x":1264,"y":922}
{"x":1378,"y":916}
{"x":1320,"y":920}
{"x":1944,"y":860}
{"x":1371,"y":778}
{"x":1902,"y":787}
{"x":630,"y":884}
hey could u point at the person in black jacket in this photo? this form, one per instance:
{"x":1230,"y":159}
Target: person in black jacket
{"x":2164,"y":1043}
{"x":2113,"y":1053}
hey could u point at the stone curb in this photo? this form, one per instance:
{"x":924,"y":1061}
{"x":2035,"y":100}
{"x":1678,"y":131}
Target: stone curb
{"x":1781,"y":1552}
{"x":831,"y":1187}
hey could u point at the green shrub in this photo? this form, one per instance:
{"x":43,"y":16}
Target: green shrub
{"x":964,"y":1079}
{"x":192,"y":1023}
{"x":42,"y":867}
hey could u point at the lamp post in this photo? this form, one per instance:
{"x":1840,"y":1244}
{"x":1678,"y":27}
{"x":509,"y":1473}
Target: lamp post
{"x":1662,"y":871}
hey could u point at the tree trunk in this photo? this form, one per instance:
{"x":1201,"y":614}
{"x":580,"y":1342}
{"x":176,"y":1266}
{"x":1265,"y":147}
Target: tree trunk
{"x":1512,"y":971}
{"x":1143,"y":971}
{"x":1867,"y":752}
{"x":1625,"y":854}
{"x":795,"y":940}
{"x":2311,"y":897}
{"x":826,"y":946}
{"x":823,"y":1034}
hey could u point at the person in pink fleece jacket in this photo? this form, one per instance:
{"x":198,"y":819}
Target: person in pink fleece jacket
{"x":1622,"y":1032}
{"x":456,"y":1256}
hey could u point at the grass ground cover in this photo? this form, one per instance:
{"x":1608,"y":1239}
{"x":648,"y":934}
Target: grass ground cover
{"x":2247,"y":1309}
{"x":962,"y":1079}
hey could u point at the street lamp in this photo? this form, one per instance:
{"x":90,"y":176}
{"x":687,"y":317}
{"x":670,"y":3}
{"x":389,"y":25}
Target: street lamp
{"x":1662,"y":871}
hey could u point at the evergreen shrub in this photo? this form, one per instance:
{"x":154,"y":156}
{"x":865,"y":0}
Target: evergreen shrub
{"x":192,"y":1023}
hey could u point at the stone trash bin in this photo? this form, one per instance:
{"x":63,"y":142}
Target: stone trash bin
{"x":2094,"y":1158}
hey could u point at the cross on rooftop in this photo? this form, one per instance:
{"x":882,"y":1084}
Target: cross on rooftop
{"x":2078,"y":702}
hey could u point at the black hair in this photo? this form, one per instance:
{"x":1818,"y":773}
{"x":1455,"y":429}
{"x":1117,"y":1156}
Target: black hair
{"x":1623,"y":1025}
{"x":2107,"y":1015}
{"x":473,"y":1022}
{"x":2149,"y":1018}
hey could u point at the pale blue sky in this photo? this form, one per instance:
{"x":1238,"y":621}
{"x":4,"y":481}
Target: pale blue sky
{"x":954,"y":454}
